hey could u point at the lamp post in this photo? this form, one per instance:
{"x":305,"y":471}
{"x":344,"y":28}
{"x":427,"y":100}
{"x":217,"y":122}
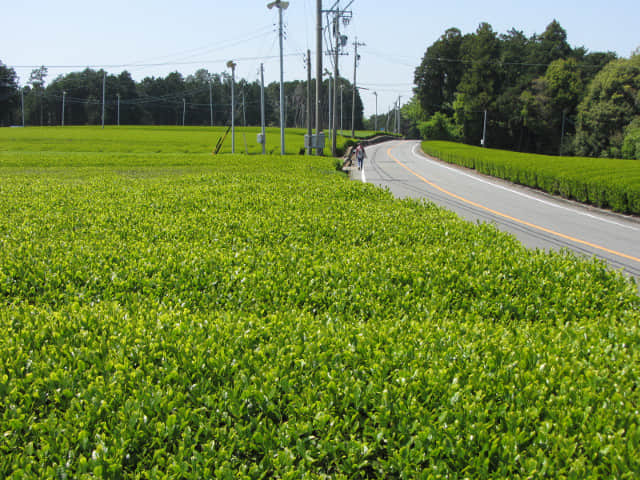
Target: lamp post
{"x":280,"y":5}
{"x":375,"y":119}
{"x":232,"y":65}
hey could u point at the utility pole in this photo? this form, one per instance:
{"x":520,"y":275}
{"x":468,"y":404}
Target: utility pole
{"x":262,"y":108}
{"x":232,"y":65}
{"x":318,"y":67}
{"x":104,"y":91}
{"x":386,"y":126}
{"x":64,"y":94}
{"x":184,"y":110}
{"x":484,"y":131}
{"x":118,"y":109}
{"x":22,"y":102}
{"x":211,"y":102}
{"x":398,"y":117}
{"x":395,"y":115}
{"x":375,"y":119}
{"x":281,"y":5}
{"x":336,"y":75}
{"x":564,"y":115}
{"x":343,"y":15}
{"x":356,"y":57}
{"x":341,"y":105}
{"x":330,"y":103}
{"x":244,"y":114}
{"x":309,"y":134}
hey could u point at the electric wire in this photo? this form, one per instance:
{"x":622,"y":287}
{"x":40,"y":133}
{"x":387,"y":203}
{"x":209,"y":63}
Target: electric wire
{"x":222,"y":45}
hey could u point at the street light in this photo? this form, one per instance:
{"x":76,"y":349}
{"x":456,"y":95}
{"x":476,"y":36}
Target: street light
{"x":232,"y":65}
{"x":375,"y":119}
{"x":280,"y":5}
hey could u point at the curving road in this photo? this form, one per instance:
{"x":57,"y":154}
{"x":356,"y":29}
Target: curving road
{"x":538,"y":220}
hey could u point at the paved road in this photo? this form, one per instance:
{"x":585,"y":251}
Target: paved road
{"x":538,"y":220}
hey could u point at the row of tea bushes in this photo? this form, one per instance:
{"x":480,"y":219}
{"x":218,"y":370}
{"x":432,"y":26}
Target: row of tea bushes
{"x":603,"y":182}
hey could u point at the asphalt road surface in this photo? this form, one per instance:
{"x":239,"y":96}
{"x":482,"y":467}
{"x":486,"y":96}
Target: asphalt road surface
{"x":538,"y":220}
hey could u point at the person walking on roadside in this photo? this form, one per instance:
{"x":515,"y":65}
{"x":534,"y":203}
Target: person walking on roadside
{"x":360,"y":155}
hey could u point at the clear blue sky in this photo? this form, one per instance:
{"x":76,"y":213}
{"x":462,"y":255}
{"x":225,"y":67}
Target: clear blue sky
{"x":192,"y":34}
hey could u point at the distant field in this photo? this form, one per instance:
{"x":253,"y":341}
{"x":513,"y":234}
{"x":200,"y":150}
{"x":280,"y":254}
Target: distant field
{"x":152,"y":139}
{"x":603,"y":182}
{"x":172,"y":314}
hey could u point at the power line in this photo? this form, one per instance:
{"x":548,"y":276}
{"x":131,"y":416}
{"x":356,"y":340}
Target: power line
{"x":264,"y":31}
{"x":163,"y":64}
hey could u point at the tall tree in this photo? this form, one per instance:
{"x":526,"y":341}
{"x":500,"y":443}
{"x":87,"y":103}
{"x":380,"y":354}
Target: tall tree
{"x":611,"y":104}
{"x":9,"y":96}
{"x":480,"y":83}
{"x":549,"y":46}
{"x":36,"y":103}
{"x":439,"y":73}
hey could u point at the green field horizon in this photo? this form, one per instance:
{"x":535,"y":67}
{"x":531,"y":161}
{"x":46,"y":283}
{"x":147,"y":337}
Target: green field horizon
{"x":158,"y":139}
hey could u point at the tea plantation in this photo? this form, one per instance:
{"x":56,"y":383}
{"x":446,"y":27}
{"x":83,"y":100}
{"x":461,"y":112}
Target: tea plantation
{"x":183,"y":315}
{"x":604,"y":182}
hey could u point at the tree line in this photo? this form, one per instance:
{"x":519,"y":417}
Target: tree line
{"x":202,"y":98}
{"x":537,"y":94}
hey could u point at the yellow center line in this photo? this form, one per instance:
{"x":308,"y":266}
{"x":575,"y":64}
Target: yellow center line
{"x":509,"y":217}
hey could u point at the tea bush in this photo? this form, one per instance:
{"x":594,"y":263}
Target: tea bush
{"x":189,"y":316}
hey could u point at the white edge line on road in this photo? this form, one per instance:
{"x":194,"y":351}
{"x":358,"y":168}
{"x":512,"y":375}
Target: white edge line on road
{"x":530,"y":197}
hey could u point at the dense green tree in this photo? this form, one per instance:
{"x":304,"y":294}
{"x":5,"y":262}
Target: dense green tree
{"x":163,"y":99}
{"x":612,"y":102}
{"x":125,"y":87}
{"x":35,"y":102}
{"x":440,"y":72}
{"x":564,"y":85}
{"x":507,"y":128}
{"x":529,"y":87}
{"x":549,"y":46}
{"x":591,"y":63}
{"x":515,"y":49}
{"x":439,"y":127}
{"x":480,"y":83}
{"x":9,"y":96}
{"x":413,"y":114}
{"x":83,"y":99}
{"x":631,"y":142}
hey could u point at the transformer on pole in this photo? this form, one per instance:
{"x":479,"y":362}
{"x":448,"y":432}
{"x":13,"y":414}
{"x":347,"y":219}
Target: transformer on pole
{"x":356,"y":57}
